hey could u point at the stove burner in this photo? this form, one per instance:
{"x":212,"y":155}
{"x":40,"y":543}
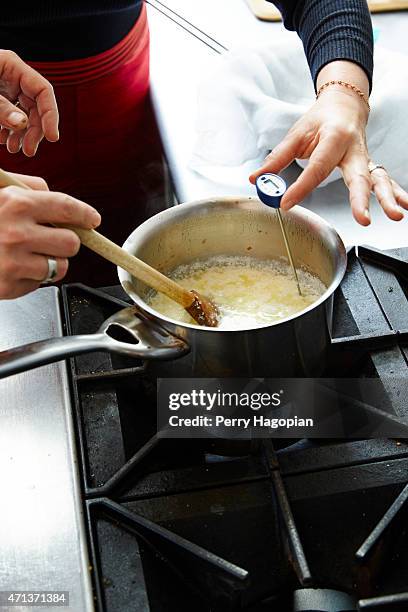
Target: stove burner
{"x":314,"y":523}
{"x":323,"y":600}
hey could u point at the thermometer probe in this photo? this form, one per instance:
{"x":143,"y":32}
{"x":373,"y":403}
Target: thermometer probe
{"x":270,"y":188}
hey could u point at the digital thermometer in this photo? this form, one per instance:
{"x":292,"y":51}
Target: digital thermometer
{"x":270,"y":188}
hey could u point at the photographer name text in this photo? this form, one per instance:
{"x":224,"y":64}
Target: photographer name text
{"x":241,"y":422}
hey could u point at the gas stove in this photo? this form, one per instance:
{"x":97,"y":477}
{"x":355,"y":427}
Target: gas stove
{"x":285,"y":525}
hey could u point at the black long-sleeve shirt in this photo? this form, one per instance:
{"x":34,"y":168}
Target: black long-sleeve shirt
{"x":331,"y":30}
{"x":69,"y":29}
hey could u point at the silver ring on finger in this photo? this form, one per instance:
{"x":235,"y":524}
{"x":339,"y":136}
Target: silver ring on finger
{"x":52,"y":270}
{"x":372,"y":167}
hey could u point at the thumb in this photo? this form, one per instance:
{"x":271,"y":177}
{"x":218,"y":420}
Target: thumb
{"x":280,"y":157}
{"x":12,"y":117}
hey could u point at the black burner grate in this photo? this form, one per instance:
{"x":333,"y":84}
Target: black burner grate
{"x":177,"y":525}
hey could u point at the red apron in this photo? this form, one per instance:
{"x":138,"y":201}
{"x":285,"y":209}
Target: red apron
{"x":108,"y":148}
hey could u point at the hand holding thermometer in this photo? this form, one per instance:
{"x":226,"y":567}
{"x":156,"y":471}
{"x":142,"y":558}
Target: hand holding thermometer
{"x":271,"y":188}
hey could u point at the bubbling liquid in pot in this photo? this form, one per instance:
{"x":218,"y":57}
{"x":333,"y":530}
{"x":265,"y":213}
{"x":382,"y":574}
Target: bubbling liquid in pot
{"x":248,"y":292}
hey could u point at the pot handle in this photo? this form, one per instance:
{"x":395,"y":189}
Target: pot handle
{"x":151,"y":342}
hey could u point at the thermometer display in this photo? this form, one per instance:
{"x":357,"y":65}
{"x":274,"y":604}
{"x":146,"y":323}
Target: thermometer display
{"x":270,"y":188}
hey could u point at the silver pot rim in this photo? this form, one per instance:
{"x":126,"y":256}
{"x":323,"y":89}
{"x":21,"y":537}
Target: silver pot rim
{"x":125,"y":277}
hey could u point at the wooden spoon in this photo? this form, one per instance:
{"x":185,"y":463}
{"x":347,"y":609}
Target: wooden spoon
{"x":203,"y":311}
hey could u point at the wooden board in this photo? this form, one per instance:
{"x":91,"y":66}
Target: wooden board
{"x":268,"y":12}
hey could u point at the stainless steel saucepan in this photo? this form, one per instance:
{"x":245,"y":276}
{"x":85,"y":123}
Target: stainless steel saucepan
{"x":295,"y":346}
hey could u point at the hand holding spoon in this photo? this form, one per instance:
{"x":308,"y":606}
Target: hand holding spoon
{"x":201,"y":309}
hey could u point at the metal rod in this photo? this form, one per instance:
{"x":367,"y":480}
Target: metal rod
{"x":297,"y":552}
{"x":381,"y":530}
{"x":285,"y":238}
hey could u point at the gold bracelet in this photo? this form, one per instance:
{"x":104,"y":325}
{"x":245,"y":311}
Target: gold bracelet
{"x":344,"y":84}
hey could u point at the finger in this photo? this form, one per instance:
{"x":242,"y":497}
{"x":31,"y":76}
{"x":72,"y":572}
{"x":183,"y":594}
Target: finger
{"x":37,"y":268}
{"x":48,"y":111}
{"x":33,"y":267}
{"x":52,"y":241}
{"x":14,"y":141}
{"x":10,"y":290}
{"x":36,"y":87}
{"x":384,"y":193}
{"x":400,"y":194}
{"x":34,"y":133}
{"x":323,"y":160}
{"x":34,"y":182}
{"x":60,"y":209}
{"x":12,"y":117}
{"x":31,"y":140}
{"x":354,"y":167}
{"x":4,"y":134}
{"x":281,"y":156}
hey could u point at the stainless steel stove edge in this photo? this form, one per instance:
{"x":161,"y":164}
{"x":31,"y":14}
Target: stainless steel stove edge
{"x":42,"y":534}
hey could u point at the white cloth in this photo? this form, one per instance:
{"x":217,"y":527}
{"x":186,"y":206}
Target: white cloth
{"x":247,"y":105}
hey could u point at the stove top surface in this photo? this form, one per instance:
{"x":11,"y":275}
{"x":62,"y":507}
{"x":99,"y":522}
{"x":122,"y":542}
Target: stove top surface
{"x":277,"y":525}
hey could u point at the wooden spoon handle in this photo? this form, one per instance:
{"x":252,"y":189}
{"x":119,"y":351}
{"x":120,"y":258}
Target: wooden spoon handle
{"x":138,"y":268}
{"x":116,"y":255}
